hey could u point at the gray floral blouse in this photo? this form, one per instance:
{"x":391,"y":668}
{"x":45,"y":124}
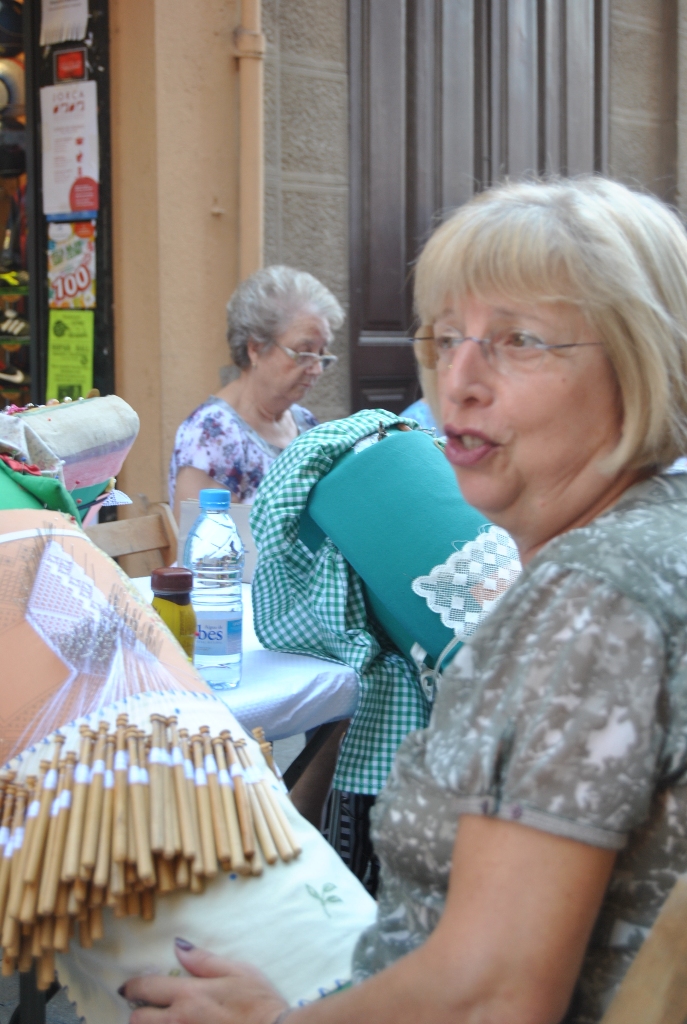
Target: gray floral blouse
{"x":566,"y":712}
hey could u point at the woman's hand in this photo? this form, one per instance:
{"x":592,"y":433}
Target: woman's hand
{"x":220,"y":992}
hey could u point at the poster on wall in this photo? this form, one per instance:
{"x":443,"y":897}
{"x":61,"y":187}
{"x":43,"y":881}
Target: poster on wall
{"x":71,"y":168}
{"x":62,"y":20}
{"x":70,"y":353}
{"x":71,"y":264}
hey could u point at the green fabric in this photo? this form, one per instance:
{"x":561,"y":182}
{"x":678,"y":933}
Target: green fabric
{"x":22,"y":490}
{"x":404,"y":488}
{"x":313,"y":602}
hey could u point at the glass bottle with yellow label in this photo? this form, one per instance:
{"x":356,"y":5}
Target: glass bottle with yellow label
{"x":171,"y":588}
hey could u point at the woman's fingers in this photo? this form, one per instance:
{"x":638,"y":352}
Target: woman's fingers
{"x":156,"y":989}
{"x":203,"y":964}
{"x":150,"y":1015}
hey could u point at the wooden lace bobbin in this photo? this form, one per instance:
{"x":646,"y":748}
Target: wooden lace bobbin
{"x":130,"y":836}
{"x":144,"y":859}
{"x":36,"y":849}
{"x":101,"y":873}
{"x":82,"y":778}
{"x":36,"y":948}
{"x":10,"y":926}
{"x":6,"y":859}
{"x":144,"y":775}
{"x":238,"y":860}
{"x":94,"y":805}
{"x":166,"y":875}
{"x":133,"y":904}
{"x":148,"y":904}
{"x":190,"y":779}
{"x":266,"y":750}
{"x":189,"y":846}
{"x":207,"y":832}
{"x":50,"y":861}
{"x":45,"y":970}
{"x":240,"y":795}
{"x":264,"y":796}
{"x":78,"y":893}
{"x":46,"y":929}
{"x":25,"y":960}
{"x":267,"y":845}
{"x":9,"y":965}
{"x":182,"y":873}
{"x":8,"y":791}
{"x":85,"y":937}
{"x":121,"y":769}
{"x":22,"y":842}
{"x":95,"y":922}
{"x":157,"y":799}
{"x":61,"y":934}
{"x":173,"y":845}
{"x":219,"y":822}
{"x":62,"y":900}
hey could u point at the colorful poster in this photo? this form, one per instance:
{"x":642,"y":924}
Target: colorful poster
{"x":62,"y":20}
{"x":71,"y":264}
{"x":70,"y":353}
{"x":71,"y":168}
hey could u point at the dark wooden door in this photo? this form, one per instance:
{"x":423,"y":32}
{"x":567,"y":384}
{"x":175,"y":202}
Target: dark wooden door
{"x":446,"y":97}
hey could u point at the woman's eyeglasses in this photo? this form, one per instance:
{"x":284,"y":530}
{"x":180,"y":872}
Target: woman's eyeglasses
{"x":309,"y":358}
{"x":508,"y":350}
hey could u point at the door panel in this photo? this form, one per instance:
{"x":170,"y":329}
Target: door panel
{"x":446,"y":97}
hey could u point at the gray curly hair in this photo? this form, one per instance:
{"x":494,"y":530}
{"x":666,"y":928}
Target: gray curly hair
{"x":266,"y":303}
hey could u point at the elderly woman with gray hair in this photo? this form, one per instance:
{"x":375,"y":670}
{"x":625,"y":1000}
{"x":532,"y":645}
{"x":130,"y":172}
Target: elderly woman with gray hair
{"x":280,"y":322}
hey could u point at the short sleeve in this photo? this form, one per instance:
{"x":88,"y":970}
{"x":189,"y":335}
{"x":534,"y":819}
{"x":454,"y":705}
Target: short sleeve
{"x":557,"y":701}
{"x":209,"y":440}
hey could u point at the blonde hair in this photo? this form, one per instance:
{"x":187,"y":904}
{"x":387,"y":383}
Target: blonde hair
{"x":619,"y":256}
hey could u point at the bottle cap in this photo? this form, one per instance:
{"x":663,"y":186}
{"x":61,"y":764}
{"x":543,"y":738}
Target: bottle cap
{"x":212,"y":499}
{"x":171,"y":580}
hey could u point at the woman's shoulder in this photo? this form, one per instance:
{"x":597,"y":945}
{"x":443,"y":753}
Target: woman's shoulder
{"x":638,"y":547}
{"x":211,"y":419}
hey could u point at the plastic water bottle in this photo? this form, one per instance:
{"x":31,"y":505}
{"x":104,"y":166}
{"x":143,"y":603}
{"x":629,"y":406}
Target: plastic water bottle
{"x":214,"y":553}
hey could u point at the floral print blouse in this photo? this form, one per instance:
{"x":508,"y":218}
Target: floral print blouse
{"x":216,"y":440}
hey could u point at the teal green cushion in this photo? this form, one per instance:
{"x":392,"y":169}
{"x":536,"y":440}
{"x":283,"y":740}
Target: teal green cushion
{"x":394,"y":510}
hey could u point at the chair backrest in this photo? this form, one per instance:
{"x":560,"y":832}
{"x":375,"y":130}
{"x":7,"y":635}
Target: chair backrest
{"x":151,"y":538}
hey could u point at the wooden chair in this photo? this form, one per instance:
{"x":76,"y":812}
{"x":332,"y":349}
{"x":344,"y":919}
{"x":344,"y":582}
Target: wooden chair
{"x":140,"y":544}
{"x":654,"y":990}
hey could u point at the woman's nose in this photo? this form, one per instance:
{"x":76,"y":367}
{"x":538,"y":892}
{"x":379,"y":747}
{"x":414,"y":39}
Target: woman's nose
{"x":467,"y":376}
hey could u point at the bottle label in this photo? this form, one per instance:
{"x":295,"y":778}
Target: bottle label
{"x":217,"y":637}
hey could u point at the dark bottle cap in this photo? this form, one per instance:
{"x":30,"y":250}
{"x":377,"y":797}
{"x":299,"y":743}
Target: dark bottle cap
{"x":171,"y":580}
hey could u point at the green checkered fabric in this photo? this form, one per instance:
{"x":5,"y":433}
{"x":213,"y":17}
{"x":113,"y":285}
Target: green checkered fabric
{"x":313,"y":604}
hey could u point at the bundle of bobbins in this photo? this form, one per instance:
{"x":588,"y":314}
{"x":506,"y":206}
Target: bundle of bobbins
{"x":133,"y":816}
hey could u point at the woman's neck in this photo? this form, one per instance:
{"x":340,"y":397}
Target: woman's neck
{"x":268,"y":415}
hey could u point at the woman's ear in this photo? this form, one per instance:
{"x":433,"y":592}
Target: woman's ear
{"x":253,"y":350}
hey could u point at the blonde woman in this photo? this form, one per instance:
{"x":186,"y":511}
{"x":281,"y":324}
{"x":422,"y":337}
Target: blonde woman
{"x":530,"y":834}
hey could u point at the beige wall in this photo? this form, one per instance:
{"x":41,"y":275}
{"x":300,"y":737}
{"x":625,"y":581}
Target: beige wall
{"x":643,"y":94}
{"x":175,"y":209}
{"x":306,"y":159}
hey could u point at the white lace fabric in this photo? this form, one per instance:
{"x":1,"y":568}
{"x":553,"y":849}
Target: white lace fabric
{"x":466,"y":587}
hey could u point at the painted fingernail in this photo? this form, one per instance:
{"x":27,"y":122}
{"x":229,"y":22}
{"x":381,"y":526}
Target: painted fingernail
{"x":184,"y":944}
{"x":121,"y":990}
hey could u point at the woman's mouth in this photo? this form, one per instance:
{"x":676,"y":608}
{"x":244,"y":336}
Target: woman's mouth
{"x":468,"y":448}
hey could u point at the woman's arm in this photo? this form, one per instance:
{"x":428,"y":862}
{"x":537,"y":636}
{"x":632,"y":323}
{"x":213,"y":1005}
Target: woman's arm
{"x":520,"y":908}
{"x":190,"y":481}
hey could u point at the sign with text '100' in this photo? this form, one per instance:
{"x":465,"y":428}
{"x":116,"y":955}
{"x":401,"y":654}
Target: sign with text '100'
{"x":71,"y":265}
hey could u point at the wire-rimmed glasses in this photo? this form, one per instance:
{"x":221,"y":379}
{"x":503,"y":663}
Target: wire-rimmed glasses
{"x":309,"y":358}
{"x":506,"y":350}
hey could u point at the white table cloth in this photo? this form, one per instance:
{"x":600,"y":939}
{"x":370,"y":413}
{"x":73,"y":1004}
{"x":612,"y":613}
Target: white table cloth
{"x":286,"y":694}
